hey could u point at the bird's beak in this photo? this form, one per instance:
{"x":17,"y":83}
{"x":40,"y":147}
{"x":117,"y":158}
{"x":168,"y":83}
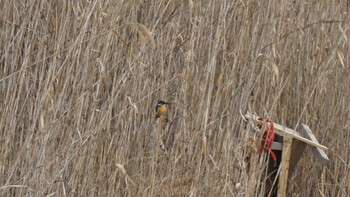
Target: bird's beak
{"x":167,"y":103}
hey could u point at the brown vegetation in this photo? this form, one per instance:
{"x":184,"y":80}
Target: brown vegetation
{"x":79,"y":81}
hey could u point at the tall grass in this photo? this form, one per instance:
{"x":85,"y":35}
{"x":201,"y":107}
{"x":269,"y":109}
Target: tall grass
{"x":79,"y":81}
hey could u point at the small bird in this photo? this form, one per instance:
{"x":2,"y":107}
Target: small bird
{"x":161,"y":108}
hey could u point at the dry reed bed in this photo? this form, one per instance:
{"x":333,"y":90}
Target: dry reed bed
{"x":79,"y":81}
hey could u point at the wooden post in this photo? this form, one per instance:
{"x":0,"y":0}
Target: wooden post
{"x":283,"y":178}
{"x":295,"y":142}
{"x":252,"y":176}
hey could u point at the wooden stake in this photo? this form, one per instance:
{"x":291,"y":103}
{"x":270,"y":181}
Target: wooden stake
{"x":252,"y":176}
{"x":283,"y":178}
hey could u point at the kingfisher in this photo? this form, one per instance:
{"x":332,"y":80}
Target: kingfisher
{"x":161,"y":108}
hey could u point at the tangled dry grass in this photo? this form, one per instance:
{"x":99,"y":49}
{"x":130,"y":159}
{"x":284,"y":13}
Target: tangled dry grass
{"x":79,"y":80}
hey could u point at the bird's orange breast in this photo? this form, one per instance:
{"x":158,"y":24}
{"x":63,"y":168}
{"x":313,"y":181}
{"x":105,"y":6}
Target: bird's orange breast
{"x":160,"y":111}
